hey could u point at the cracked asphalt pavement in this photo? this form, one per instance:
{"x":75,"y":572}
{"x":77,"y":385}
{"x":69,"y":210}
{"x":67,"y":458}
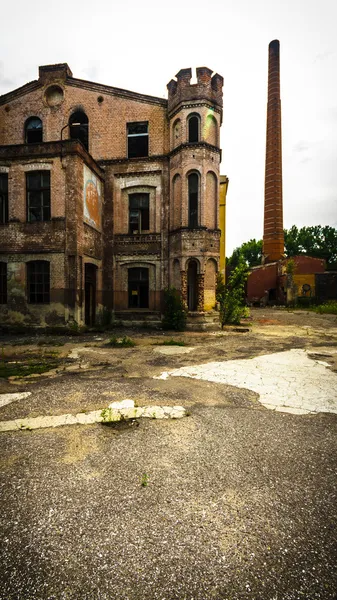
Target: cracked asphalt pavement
{"x":233,"y":502}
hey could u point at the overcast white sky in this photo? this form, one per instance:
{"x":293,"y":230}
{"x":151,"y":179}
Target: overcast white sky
{"x":141,"y":44}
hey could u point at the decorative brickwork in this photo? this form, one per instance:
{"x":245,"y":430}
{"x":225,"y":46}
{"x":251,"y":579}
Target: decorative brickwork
{"x":90,"y":240}
{"x":183,"y":288}
{"x":200,"y":291}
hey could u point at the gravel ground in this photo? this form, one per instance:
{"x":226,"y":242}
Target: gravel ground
{"x":239,"y":501}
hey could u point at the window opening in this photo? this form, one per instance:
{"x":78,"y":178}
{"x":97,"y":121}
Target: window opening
{"x":193,"y":129}
{"x":38,"y":282}
{"x":193,"y":193}
{"x":139,"y":216}
{"x":138,"y":279}
{"x":138,"y":139}
{"x":33,"y":130}
{"x":38,"y":196}
{"x":3,"y":283}
{"x":3,"y":198}
{"x":79,"y":128}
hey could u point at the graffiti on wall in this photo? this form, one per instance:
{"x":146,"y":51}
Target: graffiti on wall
{"x":92,"y":199}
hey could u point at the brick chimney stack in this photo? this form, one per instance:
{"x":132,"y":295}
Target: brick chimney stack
{"x":273,"y":237}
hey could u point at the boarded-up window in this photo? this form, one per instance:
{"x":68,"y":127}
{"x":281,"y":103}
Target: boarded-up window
{"x":211,"y":130}
{"x":176,"y":133}
{"x":210,"y":284}
{"x":211,"y":200}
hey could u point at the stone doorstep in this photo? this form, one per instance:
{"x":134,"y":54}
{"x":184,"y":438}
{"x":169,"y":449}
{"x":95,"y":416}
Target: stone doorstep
{"x":107,"y":415}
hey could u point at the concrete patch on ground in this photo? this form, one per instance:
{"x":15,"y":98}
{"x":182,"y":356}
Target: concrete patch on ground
{"x":172,"y":350}
{"x":291,"y":381}
{"x":116,"y":411}
{"x":8,"y":398}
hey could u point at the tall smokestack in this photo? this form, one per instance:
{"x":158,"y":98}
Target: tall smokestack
{"x":273,"y":237}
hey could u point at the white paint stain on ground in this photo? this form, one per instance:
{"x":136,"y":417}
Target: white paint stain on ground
{"x":116,"y":411}
{"x":286,"y":381}
{"x":172,"y":350}
{"x":8,"y":398}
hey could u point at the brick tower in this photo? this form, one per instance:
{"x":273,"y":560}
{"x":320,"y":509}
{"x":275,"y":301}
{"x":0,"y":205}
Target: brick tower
{"x":195,"y":116}
{"x":273,"y":237}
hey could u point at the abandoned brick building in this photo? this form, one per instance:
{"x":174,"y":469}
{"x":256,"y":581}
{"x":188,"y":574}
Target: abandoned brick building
{"x":107,"y":197}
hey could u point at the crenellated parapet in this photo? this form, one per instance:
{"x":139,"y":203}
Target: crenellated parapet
{"x":208,"y":88}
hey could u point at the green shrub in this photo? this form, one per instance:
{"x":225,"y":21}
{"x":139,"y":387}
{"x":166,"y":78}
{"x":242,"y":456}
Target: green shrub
{"x":171,"y":342}
{"x":124,"y":342}
{"x":329,"y":308}
{"x":174,"y":310}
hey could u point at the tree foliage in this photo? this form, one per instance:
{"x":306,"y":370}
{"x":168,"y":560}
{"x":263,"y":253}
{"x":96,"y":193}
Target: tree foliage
{"x":232,"y":295}
{"x":174,"y":310}
{"x":317,"y":241}
{"x":250,"y":251}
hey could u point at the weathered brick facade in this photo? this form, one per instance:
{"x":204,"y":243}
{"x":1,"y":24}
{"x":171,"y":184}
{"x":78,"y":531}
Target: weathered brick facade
{"x":112,"y":196}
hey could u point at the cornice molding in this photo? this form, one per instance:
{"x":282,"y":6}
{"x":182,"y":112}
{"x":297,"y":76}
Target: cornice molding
{"x":112,"y":91}
{"x":190,"y":145}
{"x":187,"y":105}
{"x":138,"y":173}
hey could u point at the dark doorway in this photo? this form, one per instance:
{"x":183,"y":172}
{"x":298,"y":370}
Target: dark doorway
{"x":192,"y":286}
{"x":90,"y":275}
{"x":272,"y":298}
{"x":138,"y":279}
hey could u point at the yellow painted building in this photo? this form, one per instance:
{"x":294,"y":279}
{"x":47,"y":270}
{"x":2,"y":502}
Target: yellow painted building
{"x":222,"y":222}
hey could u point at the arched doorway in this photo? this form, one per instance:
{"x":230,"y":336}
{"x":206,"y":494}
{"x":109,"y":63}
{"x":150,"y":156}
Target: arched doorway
{"x":90,"y":277}
{"x":192,"y":285}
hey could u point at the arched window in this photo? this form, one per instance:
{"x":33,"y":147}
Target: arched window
{"x":193,"y":199}
{"x":79,"y":128}
{"x":194,"y":128}
{"x":33,"y":130}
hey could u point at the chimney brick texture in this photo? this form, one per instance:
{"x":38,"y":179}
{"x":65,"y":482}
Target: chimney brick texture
{"x":273,"y":237}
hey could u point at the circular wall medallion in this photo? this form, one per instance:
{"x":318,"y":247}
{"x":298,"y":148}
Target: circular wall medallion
{"x":54,"y":95}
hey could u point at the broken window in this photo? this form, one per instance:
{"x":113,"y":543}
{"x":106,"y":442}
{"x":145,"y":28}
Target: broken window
{"x":193,"y":199}
{"x":138,"y":139}
{"x":138,"y":280}
{"x":38,"y":282}
{"x":38,"y":196}
{"x":33,"y":130}
{"x":139,"y":215}
{"x":79,"y":128}
{"x":3,"y":198}
{"x":193,"y":128}
{"x":3,"y":283}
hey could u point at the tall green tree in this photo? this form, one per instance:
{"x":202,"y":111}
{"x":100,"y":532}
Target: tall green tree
{"x":250,"y":251}
{"x":317,"y":241}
